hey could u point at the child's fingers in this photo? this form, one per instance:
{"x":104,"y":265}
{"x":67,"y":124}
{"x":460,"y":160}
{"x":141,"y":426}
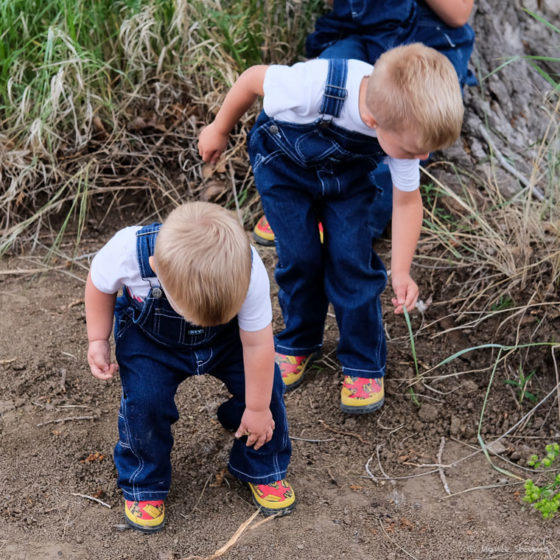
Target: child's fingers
{"x":241,"y":431}
{"x":105,"y":372}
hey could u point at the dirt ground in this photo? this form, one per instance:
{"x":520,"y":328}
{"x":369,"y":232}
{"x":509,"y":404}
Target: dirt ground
{"x":367,"y":487}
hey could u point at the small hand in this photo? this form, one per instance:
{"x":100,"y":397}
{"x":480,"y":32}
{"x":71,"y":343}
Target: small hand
{"x":99,"y":359}
{"x":406,"y":292}
{"x":211,"y":143}
{"x":258,"y":426}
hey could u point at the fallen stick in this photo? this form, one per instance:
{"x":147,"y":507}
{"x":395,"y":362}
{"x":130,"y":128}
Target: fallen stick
{"x":92,"y":499}
{"x":352,"y":434}
{"x":440,"y":468}
{"x":67,"y":419}
{"x":395,"y":542}
{"x":235,"y":537}
{"x":311,"y":440}
{"x":17,"y":271}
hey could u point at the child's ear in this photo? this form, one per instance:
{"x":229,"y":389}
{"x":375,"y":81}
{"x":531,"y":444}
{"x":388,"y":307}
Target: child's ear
{"x":369,"y":119}
{"x":151,"y":260}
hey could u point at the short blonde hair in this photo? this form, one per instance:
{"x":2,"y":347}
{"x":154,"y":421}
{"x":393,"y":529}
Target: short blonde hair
{"x":416,"y":87}
{"x":203,"y":260}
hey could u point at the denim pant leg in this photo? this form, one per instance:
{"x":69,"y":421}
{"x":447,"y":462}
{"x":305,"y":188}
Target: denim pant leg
{"x":456,"y":43}
{"x":270,"y":462}
{"x":150,"y":376}
{"x":359,"y":17}
{"x":355,"y":279}
{"x":289,"y":208}
{"x":351,"y":47}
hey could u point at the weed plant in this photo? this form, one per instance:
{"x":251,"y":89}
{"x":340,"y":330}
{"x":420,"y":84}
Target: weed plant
{"x":545,"y":498}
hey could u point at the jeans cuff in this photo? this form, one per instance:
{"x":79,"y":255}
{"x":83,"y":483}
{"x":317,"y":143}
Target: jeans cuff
{"x":145,"y":496}
{"x":301,"y":351}
{"x":264,"y":479}
{"x":366,"y":373}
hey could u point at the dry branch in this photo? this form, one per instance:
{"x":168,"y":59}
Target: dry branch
{"x":235,"y":537}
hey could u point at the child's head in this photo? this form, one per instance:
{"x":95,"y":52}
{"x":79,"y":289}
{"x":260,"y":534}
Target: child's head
{"x":414,"y":92}
{"x":202,"y":258}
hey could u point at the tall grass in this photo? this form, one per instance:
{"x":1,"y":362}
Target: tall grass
{"x":74,"y":75}
{"x":509,"y":245}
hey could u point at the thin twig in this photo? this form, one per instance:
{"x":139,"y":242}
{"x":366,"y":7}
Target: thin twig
{"x":68,"y":419}
{"x":311,"y":440}
{"x":440,"y":468}
{"x":374,"y":478}
{"x":202,"y":493}
{"x":92,"y":499}
{"x":557,"y":380}
{"x":19,"y":271}
{"x":395,"y":542}
{"x":241,"y":529}
{"x":352,"y":434}
{"x":482,"y":488}
{"x":387,"y":477}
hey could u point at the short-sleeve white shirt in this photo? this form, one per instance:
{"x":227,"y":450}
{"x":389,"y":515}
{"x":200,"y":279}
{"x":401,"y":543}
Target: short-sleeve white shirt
{"x":116,"y":266}
{"x":294,"y":94}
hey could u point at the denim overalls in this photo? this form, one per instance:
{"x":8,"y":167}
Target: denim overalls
{"x":320,"y":171}
{"x":364,"y":29}
{"x":156,"y":350}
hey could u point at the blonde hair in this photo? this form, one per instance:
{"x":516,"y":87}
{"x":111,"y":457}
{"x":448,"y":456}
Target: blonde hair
{"x":416,"y":87}
{"x":203,"y":260}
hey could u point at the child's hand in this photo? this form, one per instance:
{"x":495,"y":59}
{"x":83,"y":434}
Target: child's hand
{"x":99,"y":359}
{"x":406,"y":292}
{"x":257,"y":426}
{"x":211,"y":143}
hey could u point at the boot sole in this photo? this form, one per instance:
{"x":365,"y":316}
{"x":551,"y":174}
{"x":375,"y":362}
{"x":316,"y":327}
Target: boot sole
{"x":362,"y":409}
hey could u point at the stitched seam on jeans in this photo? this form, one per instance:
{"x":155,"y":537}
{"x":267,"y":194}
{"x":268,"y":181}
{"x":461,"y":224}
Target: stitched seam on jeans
{"x":140,"y":467}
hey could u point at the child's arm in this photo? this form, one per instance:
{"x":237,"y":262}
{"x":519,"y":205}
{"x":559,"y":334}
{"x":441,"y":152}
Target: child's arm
{"x":453,"y":12}
{"x":406,"y":225}
{"x":213,"y":138}
{"x":99,"y":319}
{"x":258,"y":358}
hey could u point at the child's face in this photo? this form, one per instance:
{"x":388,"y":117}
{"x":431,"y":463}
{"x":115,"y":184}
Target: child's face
{"x":399,"y":145}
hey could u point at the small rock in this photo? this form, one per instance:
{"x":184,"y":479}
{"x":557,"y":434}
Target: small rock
{"x":428,"y":413}
{"x":455,"y":427}
{"x":469,"y":386}
{"x":496,"y":447}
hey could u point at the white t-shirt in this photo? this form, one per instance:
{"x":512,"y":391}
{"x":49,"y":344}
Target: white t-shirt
{"x":116,"y":265}
{"x":294,"y":94}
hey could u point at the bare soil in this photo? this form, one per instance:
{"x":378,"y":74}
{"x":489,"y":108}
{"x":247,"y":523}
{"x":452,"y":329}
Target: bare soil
{"x":367,"y":487}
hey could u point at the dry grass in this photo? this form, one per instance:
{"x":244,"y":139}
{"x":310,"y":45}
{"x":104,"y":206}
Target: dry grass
{"x":86,"y":128}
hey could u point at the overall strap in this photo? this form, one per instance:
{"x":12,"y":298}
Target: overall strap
{"x":335,"y":89}
{"x":145,"y":245}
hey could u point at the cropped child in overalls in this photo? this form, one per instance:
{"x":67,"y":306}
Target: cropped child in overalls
{"x":195,"y":300}
{"x":365,"y":29}
{"x":325,"y":126}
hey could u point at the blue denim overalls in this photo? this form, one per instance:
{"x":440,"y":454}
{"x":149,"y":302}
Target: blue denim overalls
{"x":364,"y":29}
{"x":156,"y":350}
{"x":320,"y":171}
